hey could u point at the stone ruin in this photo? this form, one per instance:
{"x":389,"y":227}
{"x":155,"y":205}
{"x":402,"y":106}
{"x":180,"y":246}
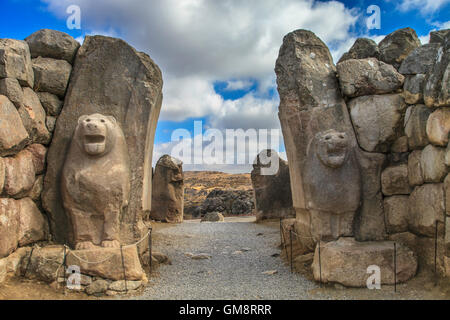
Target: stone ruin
{"x":76,"y":141}
{"x":367,"y":145}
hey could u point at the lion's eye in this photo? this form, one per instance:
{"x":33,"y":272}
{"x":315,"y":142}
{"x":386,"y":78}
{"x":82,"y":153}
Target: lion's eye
{"x":103,"y":121}
{"x":88,"y":120}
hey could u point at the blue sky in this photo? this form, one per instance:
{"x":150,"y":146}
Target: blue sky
{"x":217,"y":57}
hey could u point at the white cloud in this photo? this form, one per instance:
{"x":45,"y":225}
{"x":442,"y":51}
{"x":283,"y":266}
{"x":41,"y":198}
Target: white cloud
{"x":234,"y":85}
{"x":425,"y":6}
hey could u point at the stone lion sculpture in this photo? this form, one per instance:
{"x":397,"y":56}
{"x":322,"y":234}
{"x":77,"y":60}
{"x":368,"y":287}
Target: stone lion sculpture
{"x":96,"y":181}
{"x":333,"y":185}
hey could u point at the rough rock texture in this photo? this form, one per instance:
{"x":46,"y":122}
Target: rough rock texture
{"x":368,"y":76}
{"x":420,"y":60}
{"x":32,"y":225}
{"x":51,"y":75}
{"x":362,"y":48}
{"x":11,"y":88}
{"x":19,"y":174}
{"x":51,"y":103}
{"x":33,"y":117}
{"x":126,"y":85}
{"x":396,"y":211}
{"x":52,"y":44}
{"x":432,"y":162}
{"x":230,"y":202}
{"x":437,"y":91}
{"x":415,"y":174}
{"x":273,"y":197}
{"x":378,"y":120}
{"x":438,"y":127}
{"x":168,"y":190}
{"x":346,"y":261}
{"x":95,"y":185}
{"x":9,"y":226}
{"x":111,"y":263}
{"x":45,"y":264}
{"x":394,"y":180}
{"x":15,"y":62}
{"x":13,"y":135}
{"x":213,"y":217}
{"x":39,"y":153}
{"x":426,"y":206}
{"x":97,"y":287}
{"x":398,"y":45}
{"x":413,"y":89}
{"x":416,"y":118}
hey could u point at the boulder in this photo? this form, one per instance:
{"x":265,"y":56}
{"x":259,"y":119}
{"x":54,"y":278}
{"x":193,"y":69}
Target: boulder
{"x":396,"y":46}
{"x":394,"y":180}
{"x":97,"y":287}
{"x":426,"y":206}
{"x":128,"y":87}
{"x":32,"y":225}
{"x":35,"y":192}
{"x":168,"y":190}
{"x":52,"y":44}
{"x":416,"y":118}
{"x":213,"y":217}
{"x":107,"y":263}
{"x":438,"y":127}
{"x":19,"y":174}
{"x":396,"y":213}
{"x":432,"y":162}
{"x":51,"y":103}
{"x":362,"y":48}
{"x":346,"y":262}
{"x":420,"y":60}
{"x":50,"y":122}
{"x":39,"y":153}
{"x":447,"y":195}
{"x":415,"y":174}
{"x":400,"y":145}
{"x":13,"y":135}
{"x":413,"y":88}
{"x":377,"y":120}
{"x":51,"y":75}
{"x":121,"y":287}
{"x":441,"y":37}
{"x":2,"y":175}
{"x":9,"y":226}
{"x":15,"y":62}
{"x":45,"y":264}
{"x":437,"y":91}
{"x":33,"y":117}
{"x":10,"y":266}
{"x":406,"y":239}
{"x":273,"y":197}
{"x":11,"y":88}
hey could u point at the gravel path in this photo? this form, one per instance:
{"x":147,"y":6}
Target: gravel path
{"x":231,"y":275}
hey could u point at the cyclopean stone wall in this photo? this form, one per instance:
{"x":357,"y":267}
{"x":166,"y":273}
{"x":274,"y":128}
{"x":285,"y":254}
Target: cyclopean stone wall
{"x":366,"y":144}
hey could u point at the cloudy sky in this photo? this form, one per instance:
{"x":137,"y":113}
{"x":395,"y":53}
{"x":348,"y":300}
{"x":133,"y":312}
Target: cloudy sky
{"x":218,"y":56}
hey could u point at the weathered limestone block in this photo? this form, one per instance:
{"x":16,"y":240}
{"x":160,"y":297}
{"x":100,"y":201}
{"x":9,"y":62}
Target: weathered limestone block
{"x":413,"y":88}
{"x":50,"y":122}
{"x":19,"y":174}
{"x":2,"y":174}
{"x":425,"y":250}
{"x":213,"y":217}
{"x":32,"y":225}
{"x":362,"y":48}
{"x":396,"y":46}
{"x":111,"y":263}
{"x":9,"y":226}
{"x":416,"y":118}
{"x":15,"y":61}
{"x":95,"y":184}
{"x":415,"y":174}
{"x":51,"y":103}
{"x":11,"y":88}
{"x":52,"y":44}
{"x":168,"y":190}
{"x":273,"y":197}
{"x":13,"y":136}
{"x":400,"y":145}
{"x":35,"y":192}
{"x":441,"y":36}
{"x":368,"y":76}
{"x":377,"y":120}
{"x":406,"y":239}
{"x":346,"y":261}
{"x":420,"y":60}
{"x":447,"y":195}
{"x":45,"y":264}
{"x":39,"y":153}
{"x":394,"y":180}
{"x":426,"y":206}
{"x":396,"y":212}
{"x":33,"y":117}
{"x":51,"y":75}
{"x":432,"y":162}
{"x":127,"y":86}
{"x":11,"y":266}
{"x":447,"y":156}
{"x":437,"y":88}
{"x":438,"y":127}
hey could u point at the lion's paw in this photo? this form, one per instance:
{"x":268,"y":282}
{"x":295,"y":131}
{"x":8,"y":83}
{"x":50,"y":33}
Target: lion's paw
{"x":85,"y":245}
{"x":111,"y":244}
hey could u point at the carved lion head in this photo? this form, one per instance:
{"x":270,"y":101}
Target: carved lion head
{"x":96,"y":133}
{"x":332,"y":148}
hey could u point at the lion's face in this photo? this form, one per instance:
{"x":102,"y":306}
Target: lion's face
{"x":94,"y":133}
{"x":332,"y":148}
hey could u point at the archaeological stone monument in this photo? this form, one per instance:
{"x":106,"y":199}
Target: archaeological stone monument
{"x":168,"y":191}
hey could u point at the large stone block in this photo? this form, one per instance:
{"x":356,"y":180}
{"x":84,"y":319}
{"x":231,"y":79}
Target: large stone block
{"x":15,"y":61}
{"x":437,"y":88}
{"x":52,"y":44}
{"x":396,"y":46}
{"x":9,"y":226}
{"x":433,"y":166}
{"x":168,"y":190}
{"x":447,"y":195}
{"x":416,"y":118}
{"x":128,"y":87}
{"x":396,"y":213}
{"x":362,"y":48}
{"x":413,"y":89}
{"x":420,"y":60}
{"x":346,"y":262}
{"x":367,"y":77}
{"x":394,"y":180}
{"x":11,"y":88}
{"x":32,"y":225}
{"x":13,"y":135}
{"x":51,"y":75}
{"x":51,"y":103}
{"x":426,"y":206}
{"x":19,"y":174}
{"x":438,"y":127}
{"x":33,"y":117}
{"x":377,"y":120}
{"x":415,"y":174}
